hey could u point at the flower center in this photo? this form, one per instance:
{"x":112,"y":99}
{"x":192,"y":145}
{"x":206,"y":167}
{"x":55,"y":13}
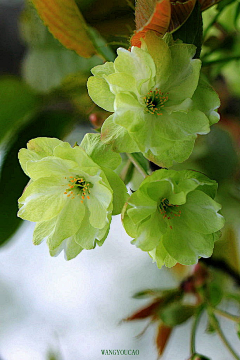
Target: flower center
{"x":78,"y":186}
{"x":168,"y":210}
{"x":155,"y":100}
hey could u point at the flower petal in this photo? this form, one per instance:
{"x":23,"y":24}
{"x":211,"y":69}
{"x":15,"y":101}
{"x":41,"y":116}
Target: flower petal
{"x":42,"y":200}
{"x":112,"y":133}
{"x":200,"y":213}
{"x":162,"y":257}
{"x":98,"y":204}
{"x":150,"y":232}
{"x":50,"y":166}
{"x":67,"y":222}
{"x":185,"y":245}
{"x":206,"y":100}
{"x":99,"y":92}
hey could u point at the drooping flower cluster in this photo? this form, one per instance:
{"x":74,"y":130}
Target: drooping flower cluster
{"x":173,"y":217}
{"x":158,"y":100}
{"x":72,"y":194}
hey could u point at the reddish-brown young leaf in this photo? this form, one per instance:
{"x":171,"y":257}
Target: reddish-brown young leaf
{"x":205,"y":4}
{"x":145,"y":312}
{"x":180,"y":11}
{"x":66,"y":23}
{"x":163,"y":335}
{"x":151,"y":15}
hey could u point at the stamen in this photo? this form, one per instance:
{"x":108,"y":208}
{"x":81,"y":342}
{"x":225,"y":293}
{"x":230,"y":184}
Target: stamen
{"x":78,"y":187}
{"x":155,"y":100}
{"x":168,"y":210}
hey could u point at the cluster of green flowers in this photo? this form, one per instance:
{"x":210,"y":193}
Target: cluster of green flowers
{"x":159,"y":103}
{"x":72,"y":194}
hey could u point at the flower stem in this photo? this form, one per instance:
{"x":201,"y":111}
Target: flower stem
{"x":137,"y":165}
{"x":227,"y":315}
{"x":194,"y":329}
{"x":217,"y":327}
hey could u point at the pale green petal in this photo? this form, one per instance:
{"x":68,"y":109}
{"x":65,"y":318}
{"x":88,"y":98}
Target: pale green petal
{"x":58,"y":250}
{"x":149,"y":232}
{"x":78,"y":155}
{"x":99,"y":152}
{"x":139,"y":64}
{"x":117,"y":136}
{"x":183,"y":87}
{"x":26,"y":155}
{"x":157,"y":189}
{"x":104,"y":69}
{"x":121,"y":81}
{"x":133,"y":119}
{"x":124,"y":102}
{"x":141,"y":207}
{"x":43,"y":146}
{"x":200,"y":213}
{"x":86,"y":235}
{"x":162,"y":257}
{"x":67,"y":222}
{"x":169,"y":151}
{"x":100,"y":93}
{"x":120,"y":194}
{"x":42,"y":230}
{"x":42,"y":199}
{"x":184,"y":73}
{"x":103,"y":233}
{"x":98,"y":203}
{"x":129,"y":226}
{"x":191,"y":180}
{"x":50,"y":166}
{"x":71,"y":249}
{"x":206,"y":100}
{"x":185,"y":245}
{"x":161,"y":55}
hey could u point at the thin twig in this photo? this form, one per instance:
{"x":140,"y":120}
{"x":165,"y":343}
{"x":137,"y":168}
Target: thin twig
{"x":217,"y":327}
{"x":194,"y":329}
{"x":137,"y":166}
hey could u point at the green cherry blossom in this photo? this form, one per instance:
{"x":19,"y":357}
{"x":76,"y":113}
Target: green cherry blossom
{"x":173,"y":217}
{"x":159,"y":104}
{"x":72,"y":192}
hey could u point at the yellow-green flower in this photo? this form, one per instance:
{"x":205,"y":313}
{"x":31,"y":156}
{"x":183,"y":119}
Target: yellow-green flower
{"x":71,"y":195}
{"x":173,"y":217}
{"x":158,"y":101}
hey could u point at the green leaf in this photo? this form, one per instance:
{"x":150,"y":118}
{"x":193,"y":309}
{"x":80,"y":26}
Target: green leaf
{"x":13,"y":180}
{"x":16,"y":102}
{"x":191,"y":31}
{"x":176,"y":314}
